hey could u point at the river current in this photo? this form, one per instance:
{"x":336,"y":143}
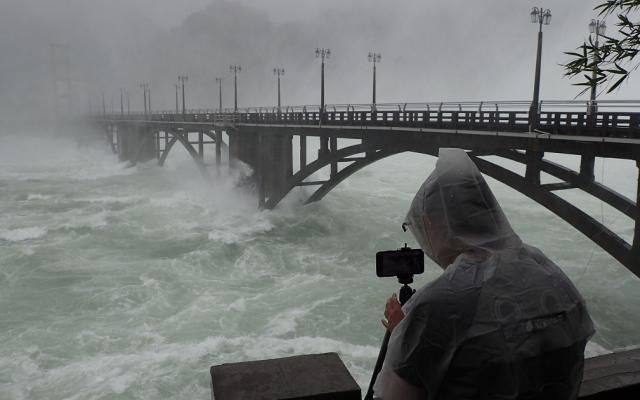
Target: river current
{"x":130,"y":283}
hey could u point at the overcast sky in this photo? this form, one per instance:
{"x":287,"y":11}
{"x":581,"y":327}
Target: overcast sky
{"x":432,"y":50}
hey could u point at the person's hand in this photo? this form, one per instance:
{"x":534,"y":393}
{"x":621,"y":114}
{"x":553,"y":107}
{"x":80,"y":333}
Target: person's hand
{"x":393,"y":313}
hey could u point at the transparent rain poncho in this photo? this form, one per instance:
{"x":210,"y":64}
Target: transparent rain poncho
{"x":502,"y":321}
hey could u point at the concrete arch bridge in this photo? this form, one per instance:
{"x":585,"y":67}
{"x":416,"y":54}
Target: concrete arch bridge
{"x":264,"y":139}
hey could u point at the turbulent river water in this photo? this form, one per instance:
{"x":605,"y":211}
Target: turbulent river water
{"x":130,"y":283}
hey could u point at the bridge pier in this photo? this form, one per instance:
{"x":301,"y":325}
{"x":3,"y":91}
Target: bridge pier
{"x":587,"y":164}
{"x":218,"y":133}
{"x":303,"y":151}
{"x":635,"y":249}
{"x":277,"y":167}
{"x":201,"y":145}
{"x":534,"y":162}
{"x":334,"y":147}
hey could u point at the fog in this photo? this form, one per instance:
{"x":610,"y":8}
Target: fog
{"x":431,"y":51}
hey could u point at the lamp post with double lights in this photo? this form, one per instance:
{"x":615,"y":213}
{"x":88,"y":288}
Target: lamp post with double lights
{"x":278,"y":72}
{"x":182,"y":79}
{"x":235,"y":69}
{"x":540,"y":16}
{"x":322,"y":54}
{"x":598,"y":28}
{"x":219,"y":82}
{"x":374,"y":58}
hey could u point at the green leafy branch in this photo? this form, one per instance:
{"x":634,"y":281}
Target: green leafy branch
{"x":613,"y":54}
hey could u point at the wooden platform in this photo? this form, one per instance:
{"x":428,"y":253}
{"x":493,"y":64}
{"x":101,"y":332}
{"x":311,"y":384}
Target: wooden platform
{"x":307,"y":377}
{"x":324,"y":376}
{"x":612,"y":376}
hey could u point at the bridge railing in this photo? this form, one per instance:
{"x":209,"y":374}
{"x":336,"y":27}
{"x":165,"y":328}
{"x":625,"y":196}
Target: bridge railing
{"x":619,"y":118}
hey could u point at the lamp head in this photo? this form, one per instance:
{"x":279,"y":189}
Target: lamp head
{"x":534,"y":14}
{"x":547,"y":17}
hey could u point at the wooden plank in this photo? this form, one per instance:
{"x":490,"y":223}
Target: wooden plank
{"x":307,"y":377}
{"x":612,"y":376}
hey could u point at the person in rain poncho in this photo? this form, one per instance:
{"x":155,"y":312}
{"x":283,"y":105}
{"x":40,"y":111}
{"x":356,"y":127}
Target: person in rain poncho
{"x":502,"y":321}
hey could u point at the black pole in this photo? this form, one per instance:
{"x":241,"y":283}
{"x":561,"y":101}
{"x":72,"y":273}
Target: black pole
{"x":121,"y":102}
{"x":235,"y":90}
{"x":144,"y":89}
{"x":177,"y":102}
{"x":594,"y":107}
{"x":374,"y":81}
{"x":220,"y":95}
{"x":184,"y":107}
{"x":278,"y":91}
{"x":533,"y":113}
{"x":324,"y":142}
{"x":322,"y":89}
{"x":149,"y":98}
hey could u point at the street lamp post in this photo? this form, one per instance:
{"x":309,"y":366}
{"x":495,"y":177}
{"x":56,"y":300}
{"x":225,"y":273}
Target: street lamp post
{"x":598,"y":27}
{"x":235,"y":69}
{"x":121,"y":101}
{"x":177,"y":86}
{"x":182,"y":79}
{"x":374,"y":58}
{"x":539,"y":16}
{"x":278,"y":72}
{"x":219,"y":81}
{"x":322,"y":54}
{"x":145,"y":89}
{"x":126,"y":92}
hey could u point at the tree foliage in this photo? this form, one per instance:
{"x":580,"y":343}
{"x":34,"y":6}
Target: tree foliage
{"x":615,"y":57}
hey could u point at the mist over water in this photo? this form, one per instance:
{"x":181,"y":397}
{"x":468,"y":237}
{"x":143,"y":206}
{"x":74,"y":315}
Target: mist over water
{"x":132,"y":282}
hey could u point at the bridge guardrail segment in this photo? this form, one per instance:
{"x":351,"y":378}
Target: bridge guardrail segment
{"x":612,"y":118}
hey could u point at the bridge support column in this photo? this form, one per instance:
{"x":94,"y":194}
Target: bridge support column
{"x":334,"y":148}
{"x":218,"y":150}
{"x":534,"y":161}
{"x":260,"y":172}
{"x":143,"y":143}
{"x":324,"y":146}
{"x":635,"y":250}
{"x":233,"y":149}
{"x":303,"y":151}
{"x":201,"y":145}
{"x":587,"y":164}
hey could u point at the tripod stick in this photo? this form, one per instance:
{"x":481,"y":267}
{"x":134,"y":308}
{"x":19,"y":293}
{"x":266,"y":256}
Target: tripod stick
{"x":405,"y":294}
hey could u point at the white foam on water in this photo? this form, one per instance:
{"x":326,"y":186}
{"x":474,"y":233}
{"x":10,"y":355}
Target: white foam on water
{"x":137,"y":372}
{"x":97,"y":220}
{"x":242,"y":284}
{"x":286,"y":321}
{"x":38,"y":196}
{"x":22,"y":234}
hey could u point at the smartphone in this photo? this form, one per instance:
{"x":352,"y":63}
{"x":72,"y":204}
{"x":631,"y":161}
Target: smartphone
{"x":403,"y":262}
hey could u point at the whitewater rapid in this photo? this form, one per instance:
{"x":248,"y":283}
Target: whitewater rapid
{"x":131,"y":282}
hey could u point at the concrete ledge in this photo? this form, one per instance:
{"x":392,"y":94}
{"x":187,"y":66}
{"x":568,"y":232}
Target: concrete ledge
{"x":307,"y":377}
{"x":612,"y":376}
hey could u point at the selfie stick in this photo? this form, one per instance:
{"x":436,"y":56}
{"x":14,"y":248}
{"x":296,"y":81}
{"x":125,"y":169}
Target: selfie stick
{"x":405,"y":294}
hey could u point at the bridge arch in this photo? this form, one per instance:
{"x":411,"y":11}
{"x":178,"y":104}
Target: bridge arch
{"x":613,"y":244}
{"x":182,"y":138}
